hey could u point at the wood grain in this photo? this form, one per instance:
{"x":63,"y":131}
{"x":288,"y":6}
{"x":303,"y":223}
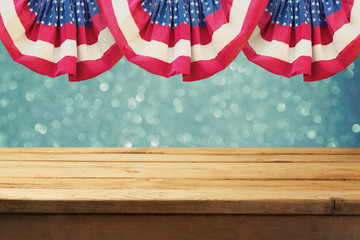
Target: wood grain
{"x":185,"y":170}
{"x":178,"y":227}
{"x":180,"y":181}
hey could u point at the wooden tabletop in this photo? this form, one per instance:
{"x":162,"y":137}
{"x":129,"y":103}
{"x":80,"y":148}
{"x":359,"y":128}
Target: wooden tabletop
{"x":316,"y":181}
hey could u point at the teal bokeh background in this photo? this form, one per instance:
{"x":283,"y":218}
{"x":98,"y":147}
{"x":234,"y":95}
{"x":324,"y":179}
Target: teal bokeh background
{"x":243,"y":106}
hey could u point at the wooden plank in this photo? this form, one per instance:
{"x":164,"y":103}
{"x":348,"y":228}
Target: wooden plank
{"x":199,"y":194}
{"x":178,"y":195}
{"x":185,"y":184}
{"x":244,"y":171}
{"x":197,"y":181}
{"x":178,"y":227}
{"x":179,"y":158}
{"x":332,"y":206}
{"x":171,"y":202}
{"x":198,"y":151}
{"x":183,"y":196}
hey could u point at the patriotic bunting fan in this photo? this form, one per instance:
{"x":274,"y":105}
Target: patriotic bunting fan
{"x":317,"y":38}
{"x":196,"y":38}
{"x":55,"y":37}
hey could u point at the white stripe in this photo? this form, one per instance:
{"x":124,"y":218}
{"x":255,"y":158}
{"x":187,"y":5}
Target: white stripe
{"x":221,"y":37}
{"x":342,"y":38}
{"x":45,"y":50}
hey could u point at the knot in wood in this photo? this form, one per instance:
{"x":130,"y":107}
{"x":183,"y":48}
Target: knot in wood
{"x":335,"y":206}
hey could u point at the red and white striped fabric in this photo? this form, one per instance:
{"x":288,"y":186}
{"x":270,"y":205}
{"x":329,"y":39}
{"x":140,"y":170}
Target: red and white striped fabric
{"x":58,"y":37}
{"x":316,"y":38}
{"x":195,"y":38}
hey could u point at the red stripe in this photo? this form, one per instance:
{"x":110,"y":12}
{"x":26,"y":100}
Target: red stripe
{"x":90,"y":69}
{"x":51,"y":34}
{"x":303,"y":65}
{"x":165,"y":34}
{"x":348,"y":5}
{"x":67,"y":65}
{"x":325,"y":69}
{"x":182,"y":65}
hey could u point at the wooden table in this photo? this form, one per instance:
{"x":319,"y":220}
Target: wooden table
{"x":176,"y":193}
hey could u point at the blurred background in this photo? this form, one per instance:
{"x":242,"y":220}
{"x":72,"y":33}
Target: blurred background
{"x":242,"y":106}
